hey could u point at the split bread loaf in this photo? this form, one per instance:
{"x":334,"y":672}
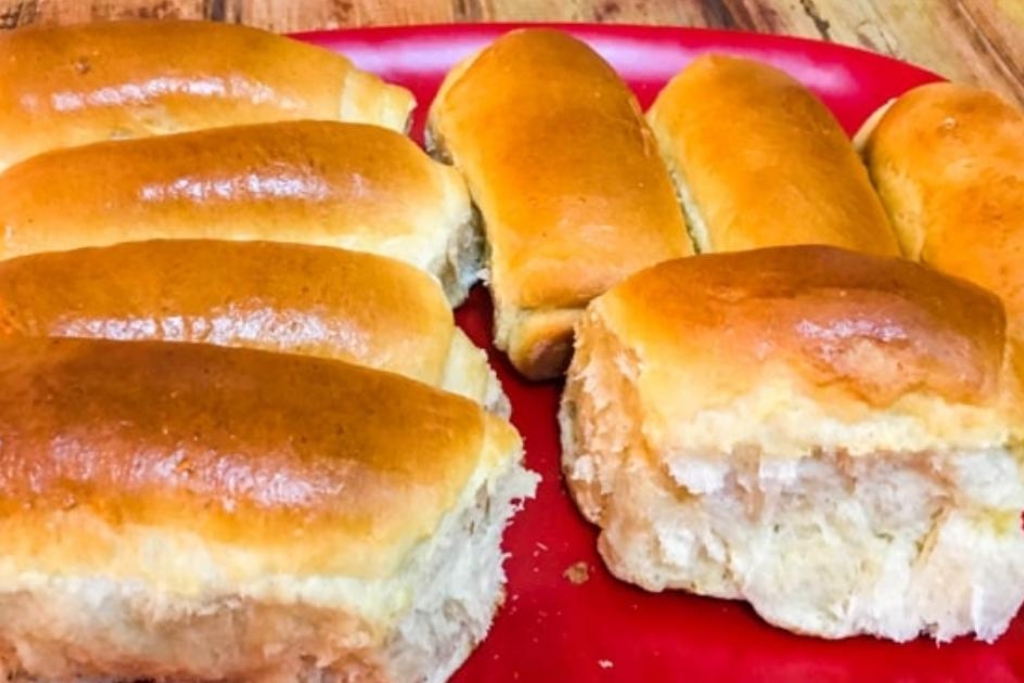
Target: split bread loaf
{"x":325,"y":183}
{"x":948,"y":162}
{"x":293,"y":298}
{"x":193,"y":512}
{"x":568,"y":180}
{"x":830,"y":436}
{"x":64,"y":86}
{"x":759,"y":161}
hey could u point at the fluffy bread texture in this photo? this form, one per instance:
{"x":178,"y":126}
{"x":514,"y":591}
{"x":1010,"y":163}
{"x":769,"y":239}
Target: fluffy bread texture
{"x":64,"y":86}
{"x":290,"y":298}
{"x":759,"y":161}
{"x":948,"y":162}
{"x":831,"y":436}
{"x":193,"y":512}
{"x":325,"y":183}
{"x":568,"y":180}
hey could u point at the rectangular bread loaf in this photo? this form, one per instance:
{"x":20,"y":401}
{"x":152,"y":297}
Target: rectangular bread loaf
{"x":291,"y":298}
{"x":567,"y":177}
{"x":175,"y":511}
{"x":831,"y":436}
{"x":760,"y":161}
{"x":948,"y":162}
{"x":63,"y":86}
{"x":333,"y":184}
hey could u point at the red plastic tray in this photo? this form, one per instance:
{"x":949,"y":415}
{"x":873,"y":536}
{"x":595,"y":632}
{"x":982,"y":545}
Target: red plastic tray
{"x":552,"y":629}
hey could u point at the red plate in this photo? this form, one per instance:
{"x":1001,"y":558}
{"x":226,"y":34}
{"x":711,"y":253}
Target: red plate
{"x":552,"y":629}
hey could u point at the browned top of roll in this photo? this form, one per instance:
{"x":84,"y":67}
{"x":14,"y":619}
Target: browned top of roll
{"x":311,"y":466}
{"x":70,"y":85}
{"x":877,"y":328}
{"x":280,"y":297}
{"x":312,"y":182}
{"x":563,"y":168}
{"x":949,"y":163}
{"x":765,"y":162}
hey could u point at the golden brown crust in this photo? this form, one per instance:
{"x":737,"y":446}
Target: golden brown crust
{"x":309,"y":466}
{"x":872,"y":328}
{"x":764,"y":162}
{"x":314,"y":182}
{"x":71,"y":85}
{"x":573,"y":194}
{"x":293,"y":298}
{"x":948,"y":161}
{"x":572,"y":191}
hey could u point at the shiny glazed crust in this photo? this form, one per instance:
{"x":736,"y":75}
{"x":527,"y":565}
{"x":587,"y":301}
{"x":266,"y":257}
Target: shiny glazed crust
{"x":193,"y":512}
{"x":249,"y":449}
{"x":72,"y":85}
{"x":572,"y":191}
{"x":290,"y":298}
{"x":831,"y":436}
{"x":332,"y":184}
{"x":760,"y":161}
{"x":948,"y":161}
{"x":870,"y":329}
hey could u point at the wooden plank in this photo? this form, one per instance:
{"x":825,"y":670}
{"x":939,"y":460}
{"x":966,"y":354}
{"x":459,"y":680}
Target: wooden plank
{"x":974,"y":41}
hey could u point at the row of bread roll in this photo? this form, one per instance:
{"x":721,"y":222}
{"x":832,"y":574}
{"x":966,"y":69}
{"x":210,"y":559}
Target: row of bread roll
{"x":833,"y":436}
{"x":575,"y":196}
{"x":211,"y":464}
{"x":128,"y":131}
{"x":571,"y":204}
{"x":864,"y":371}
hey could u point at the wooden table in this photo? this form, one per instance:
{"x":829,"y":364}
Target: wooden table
{"x":976,"y":41}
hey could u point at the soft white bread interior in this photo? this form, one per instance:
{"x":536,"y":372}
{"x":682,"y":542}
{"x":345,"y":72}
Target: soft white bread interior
{"x":759,"y":161}
{"x":63,"y":86}
{"x":193,"y":512}
{"x":568,"y":180}
{"x":831,"y":436}
{"x":948,"y":162}
{"x":324,"y":183}
{"x":292,"y":298}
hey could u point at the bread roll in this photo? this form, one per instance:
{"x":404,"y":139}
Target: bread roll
{"x":192,"y":512}
{"x":333,"y":184}
{"x":759,"y":161}
{"x":70,"y":85}
{"x":567,"y":178}
{"x":831,"y":436}
{"x":948,"y":161}
{"x":293,"y":298}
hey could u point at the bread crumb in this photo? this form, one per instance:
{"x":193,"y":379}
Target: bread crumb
{"x":605,"y":663}
{"x":577,"y":573}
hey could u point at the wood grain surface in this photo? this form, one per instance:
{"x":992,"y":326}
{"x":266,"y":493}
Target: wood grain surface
{"x":976,"y":41}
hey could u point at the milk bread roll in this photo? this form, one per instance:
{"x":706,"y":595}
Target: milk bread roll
{"x":290,"y":298}
{"x":314,"y":182}
{"x":760,"y":161}
{"x":63,"y":86}
{"x":176,"y":511}
{"x":568,"y":180}
{"x":948,"y":161}
{"x":831,"y":436}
